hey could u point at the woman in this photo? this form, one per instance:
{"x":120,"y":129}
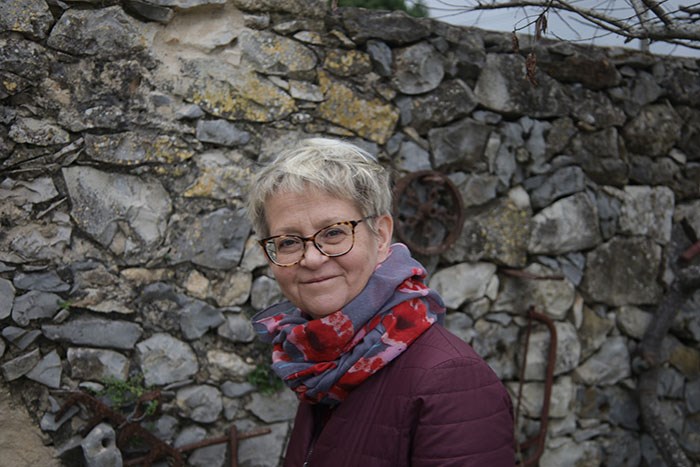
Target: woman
{"x":380,"y":382}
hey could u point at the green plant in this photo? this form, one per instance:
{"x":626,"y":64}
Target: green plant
{"x":125,"y":393}
{"x":263,"y":378}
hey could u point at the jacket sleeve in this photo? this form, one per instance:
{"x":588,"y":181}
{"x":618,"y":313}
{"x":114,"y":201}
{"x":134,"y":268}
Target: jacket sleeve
{"x":462,"y":416}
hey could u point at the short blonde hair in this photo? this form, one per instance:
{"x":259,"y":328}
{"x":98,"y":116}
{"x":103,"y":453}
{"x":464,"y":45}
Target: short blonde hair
{"x":337,"y":167}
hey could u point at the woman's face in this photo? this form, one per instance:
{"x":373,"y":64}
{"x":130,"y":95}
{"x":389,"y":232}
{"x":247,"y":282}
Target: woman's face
{"x":320,"y":285}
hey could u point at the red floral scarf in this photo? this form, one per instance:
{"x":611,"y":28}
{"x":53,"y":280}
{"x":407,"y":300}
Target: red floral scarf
{"x":324,"y":359}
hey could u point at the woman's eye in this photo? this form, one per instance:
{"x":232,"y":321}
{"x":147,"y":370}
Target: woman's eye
{"x":334,"y":234}
{"x":287,"y":243}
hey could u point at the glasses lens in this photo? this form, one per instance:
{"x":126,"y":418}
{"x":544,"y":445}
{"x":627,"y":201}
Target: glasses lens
{"x":335,"y":240}
{"x":285,"y":250}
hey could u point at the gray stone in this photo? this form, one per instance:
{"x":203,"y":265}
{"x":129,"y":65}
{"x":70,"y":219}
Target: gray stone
{"x":197,"y":317}
{"x":265,"y":292}
{"x":20,"y":366}
{"x":276,"y":407}
{"x":31,"y":17}
{"x":451,"y":100}
{"x":221,"y":132}
{"x":47,"y":371}
{"x":621,"y":449}
{"x":594,"y":331}
{"x":97,"y":364}
{"x":671,"y":384}
{"x":190,"y":434}
{"x":411,"y":157}
{"x":395,"y":27}
{"x":263,"y":451}
{"x":7,"y":298}
{"x":461,"y":325}
{"x":19,"y":337}
{"x":623,"y":271}
{"x":569,"y":224}
{"x":165,"y":428}
{"x":100,"y":447}
{"x":563,"y":182}
{"x":607,"y":366}
{"x":209,"y":456}
{"x":561,"y":397}
{"x":654,"y":131}
{"x":23,"y":58}
{"x":223,"y":90}
{"x":568,"y":351}
{"x":165,"y":360}
{"x":215,"y":240}
{"x":276,"y":55}
{"x":571,"y":453}
{"x":37,"y":132}
{"x":227,"y":365}
{"x":381,"y":56}
{"x":305,"y":91}
{"x":131,"y":148}
{"x":419,"y":69}
{"x":149,"y":11}
{"x":222,"y":175}
{"x":34,"y":241}
{"x":187,"y":4}
{"x":201,"y":403}
{"x":48,"y":281}
{"x":588,"y":66}
{"x":596,"y":111}
{"x":498,"y":345}
{"x":237,"y":328}
{"x":127,"y":214}
{"x":462,"y":144}
{"x":233,"y":389}
{"x":296,"y":8}
{"x":475,"y":189}
{"x":498,"y":232}
{"x":22,"y":192}
{"x":550,"y":296}
{"x":462,"y":282}
{"x":692,"y":396}
{"x":35,"y":305}
{"x":647,"y":211}
{"x":95,"y":332}
{"x":104,"y":32}
{"x":502,"y":87}
{"x":633,"y":321}
{"x":598,"y":154}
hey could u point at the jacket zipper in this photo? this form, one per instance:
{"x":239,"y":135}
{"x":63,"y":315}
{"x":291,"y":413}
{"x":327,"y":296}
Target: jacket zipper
{"x":321,"y":415}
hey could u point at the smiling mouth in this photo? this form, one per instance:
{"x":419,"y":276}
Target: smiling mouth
{"x":318,"y":280}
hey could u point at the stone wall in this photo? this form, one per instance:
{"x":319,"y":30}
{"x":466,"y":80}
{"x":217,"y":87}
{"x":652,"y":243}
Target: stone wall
{"x":128,"y":134}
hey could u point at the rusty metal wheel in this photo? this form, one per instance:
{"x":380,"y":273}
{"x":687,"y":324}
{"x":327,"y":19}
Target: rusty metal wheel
{"x":428,"y":212}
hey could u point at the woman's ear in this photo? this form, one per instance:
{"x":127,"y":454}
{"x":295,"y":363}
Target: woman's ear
{"x":385,"y":230}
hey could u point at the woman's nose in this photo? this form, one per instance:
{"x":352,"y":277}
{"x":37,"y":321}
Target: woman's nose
{"x":312,"y":256}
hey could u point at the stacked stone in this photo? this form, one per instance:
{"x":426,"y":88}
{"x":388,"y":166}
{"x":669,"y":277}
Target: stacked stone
{"x":129,"y":131}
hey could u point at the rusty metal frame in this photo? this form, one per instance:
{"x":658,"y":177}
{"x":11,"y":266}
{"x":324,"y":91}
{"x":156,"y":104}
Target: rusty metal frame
{"x":539,"y":439}
{"x":129,"y":427}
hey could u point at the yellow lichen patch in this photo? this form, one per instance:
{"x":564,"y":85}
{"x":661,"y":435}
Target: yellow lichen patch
{"x":10,"y":86}
{"x":369,"y":118}
{"x":223,"y":100}
{"x":167,"y":149}
{"x":347,"y":62}
{"x":203,"y":187}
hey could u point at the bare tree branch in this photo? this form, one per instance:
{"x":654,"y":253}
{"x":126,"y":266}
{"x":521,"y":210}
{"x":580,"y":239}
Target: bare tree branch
{"x":645,"y":20}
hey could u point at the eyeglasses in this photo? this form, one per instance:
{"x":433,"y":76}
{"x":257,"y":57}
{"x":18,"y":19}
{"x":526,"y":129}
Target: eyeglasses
{"x":335,"y":240}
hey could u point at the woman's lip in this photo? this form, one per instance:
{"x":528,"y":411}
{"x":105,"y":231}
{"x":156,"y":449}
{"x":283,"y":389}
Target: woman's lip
{"x":316,"y":280}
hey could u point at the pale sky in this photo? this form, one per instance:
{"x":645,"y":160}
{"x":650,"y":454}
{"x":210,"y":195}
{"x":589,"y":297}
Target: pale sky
{"x":571,"y":28}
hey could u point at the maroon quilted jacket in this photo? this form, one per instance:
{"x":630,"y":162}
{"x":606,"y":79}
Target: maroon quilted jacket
{"x":438,"y":404}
